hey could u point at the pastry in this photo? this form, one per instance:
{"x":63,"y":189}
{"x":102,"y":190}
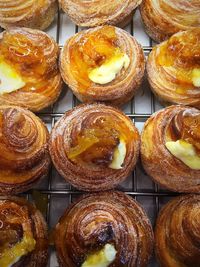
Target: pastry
{"x":29,"y":70}
{"x":36,"y":14}
{"x":103,"y":64}
{"x":23,"y":234}
{"x":24,"y":157}
{"x":177,"y":233}
{"x":164,"y":18}
{"x":170,"y":148}
{"x":104,"y":229}
{"x":173,"y":69}
{"x":100,"y":12}
{"x":94,"y":147}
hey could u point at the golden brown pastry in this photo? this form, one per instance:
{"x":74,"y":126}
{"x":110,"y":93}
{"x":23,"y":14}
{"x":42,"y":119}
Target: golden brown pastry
{"x":103,"y":64}
{"x":173,"y":69}
{"x":170,"y":148}
{"x":36,"y":14}
{"x":29,"y":70}
{"x":177,"y":233}
{"x":23,"y":234}
{"x":163,"y":18}
{"x":104,"y":229}
{"x":24,"y":157}
{"x":99,"y":12}
{"x":94,"y":147}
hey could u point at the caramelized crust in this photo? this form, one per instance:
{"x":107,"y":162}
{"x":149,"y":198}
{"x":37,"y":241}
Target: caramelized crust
{"x":82,"y":146}
{"x":99,"y":12}
{"x":172,"y":123}
{"x":32,"y":14}
{"x":171,"y":68}
{"x":34,"y":56}
{"x":19,"y":218}
{"x":97,"y":219}
{"x":177,"y":232}
{"x":24,"y":158}
{"x":91,"y":48}
{"x":164,"y":18}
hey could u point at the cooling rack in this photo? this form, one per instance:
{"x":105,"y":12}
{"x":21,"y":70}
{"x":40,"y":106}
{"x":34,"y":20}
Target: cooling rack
{"x":53,"y":195}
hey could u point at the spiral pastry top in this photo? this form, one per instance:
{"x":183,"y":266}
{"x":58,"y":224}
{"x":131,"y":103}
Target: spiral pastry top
{"x":94,"y":147}
{"x":163,"y":18}
{"x":103,"y":64}
{"x":24,"y":157}
{"x":177,"y":232}
{"x":173,"y":69}
{"x":23,"y":234}
{"x":108,"y":228}
{"x":171,"y":148}
{"x":29,"y":72}
{"x":36,"y":14}
{"x":99,"y":12}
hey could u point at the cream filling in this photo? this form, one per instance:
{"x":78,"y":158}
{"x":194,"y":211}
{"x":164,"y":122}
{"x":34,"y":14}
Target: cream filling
{"x":13,"y":255}
{"x":10,"y":80}
{"x":118,"y":156}
{"x":185,"y":152}
{"x":196,"y":77}
{"x":107,"y":72}
{"x":102,"y":258}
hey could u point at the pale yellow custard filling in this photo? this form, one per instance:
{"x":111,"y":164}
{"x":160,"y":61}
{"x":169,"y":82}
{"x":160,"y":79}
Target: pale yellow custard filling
{"x":109,"y":69}
{"x":101,"y":258}
{"x":185,"y":152}
{"x":196,"y":77}
{"x":10,"y":80}
{"x":118,"y":156}
{"x":13,"y":254}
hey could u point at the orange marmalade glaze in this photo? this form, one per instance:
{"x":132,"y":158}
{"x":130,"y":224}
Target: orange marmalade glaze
{"x":188,"y":130}
{"x":91,"y":51}
{"x":191,"y":131}
{"x":96,"y":143}
{"x":183,"y":53}
{"x":26,"y":58}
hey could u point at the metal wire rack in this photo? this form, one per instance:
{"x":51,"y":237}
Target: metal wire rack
{"x":54,"y":191}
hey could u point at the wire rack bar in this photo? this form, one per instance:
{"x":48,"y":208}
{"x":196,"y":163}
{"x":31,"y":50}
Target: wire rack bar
{"x":145,"y":48}
{"x":134,"y":193}
{"x":54,"y":115}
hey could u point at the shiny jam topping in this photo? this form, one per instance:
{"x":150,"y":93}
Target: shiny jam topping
{"x":96,"y":145}
{"x":25,"y":59}
{"x":186,"y":126}
{"x":92,"y":51}
{"x":183,"y":53}
{"x":23,"y":54}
